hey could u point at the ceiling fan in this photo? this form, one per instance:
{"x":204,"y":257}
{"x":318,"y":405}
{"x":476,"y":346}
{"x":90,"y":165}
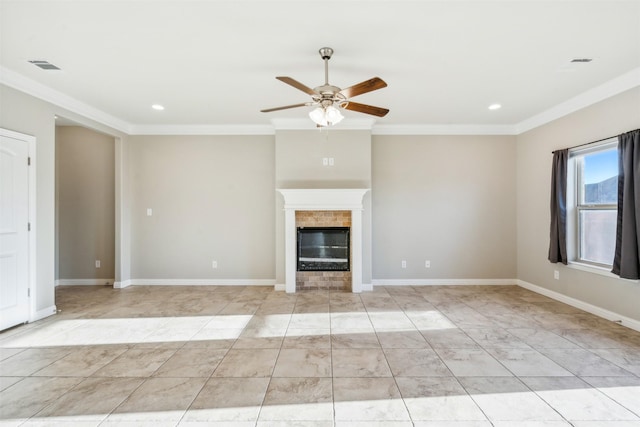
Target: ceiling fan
{"x":329,"y":99}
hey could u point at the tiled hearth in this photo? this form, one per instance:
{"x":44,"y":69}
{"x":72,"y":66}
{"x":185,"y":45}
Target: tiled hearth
{"x":313,"y":280}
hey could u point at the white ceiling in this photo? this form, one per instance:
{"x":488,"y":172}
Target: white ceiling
{"x":214,"y":62}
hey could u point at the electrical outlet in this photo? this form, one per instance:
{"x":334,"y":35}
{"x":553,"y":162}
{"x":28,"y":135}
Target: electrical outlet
{"x":149,"y":211}
{"x":556,"y":274}
{"x":427,"y":264}
{"x":97,"y":263}
{"x":331,"y":161}
{"x":325,"y":161}
{"x":214,"y":264}
{"x":404,"y":264}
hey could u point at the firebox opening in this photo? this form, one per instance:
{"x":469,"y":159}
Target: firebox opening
{"x":323,"y":249}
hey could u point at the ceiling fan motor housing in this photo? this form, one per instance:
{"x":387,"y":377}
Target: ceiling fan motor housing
{"x":327,"y":90}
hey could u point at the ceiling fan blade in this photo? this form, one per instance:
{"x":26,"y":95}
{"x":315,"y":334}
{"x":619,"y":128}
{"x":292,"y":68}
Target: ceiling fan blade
{"x":374,"y":83}
{"x":367,"y":109}
{"x":268,"y":110}
{"x":297,"y":85}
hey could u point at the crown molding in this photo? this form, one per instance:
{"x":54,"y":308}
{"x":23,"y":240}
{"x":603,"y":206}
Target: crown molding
{"x":202,"y":130}
{"x":307,"y":124}
{"x":24,"y":84}
{"x":444,"y":130}
{"x":599,"y":93}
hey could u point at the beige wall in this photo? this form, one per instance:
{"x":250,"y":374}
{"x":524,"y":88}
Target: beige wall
{"x":212,"y":199}
{"x":299,"y":157}
{"x":447,"y":199}
{"x":610,"y":117}
{"x":85,"y":184}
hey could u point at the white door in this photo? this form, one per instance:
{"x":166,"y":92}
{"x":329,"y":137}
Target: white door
{"x":14,"y":234}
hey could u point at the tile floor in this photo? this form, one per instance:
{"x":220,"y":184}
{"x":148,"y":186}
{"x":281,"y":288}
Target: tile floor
{"x":454,"y":356}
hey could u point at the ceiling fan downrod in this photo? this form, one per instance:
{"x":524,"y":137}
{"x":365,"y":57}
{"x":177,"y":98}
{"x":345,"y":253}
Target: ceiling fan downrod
{"x":325,"y":54}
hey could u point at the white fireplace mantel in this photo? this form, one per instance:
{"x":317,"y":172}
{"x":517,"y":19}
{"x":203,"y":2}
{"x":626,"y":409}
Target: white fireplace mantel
{"x":323,"y":199}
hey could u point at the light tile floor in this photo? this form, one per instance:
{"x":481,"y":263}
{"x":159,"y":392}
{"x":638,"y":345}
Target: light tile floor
{"x":473,"y":356}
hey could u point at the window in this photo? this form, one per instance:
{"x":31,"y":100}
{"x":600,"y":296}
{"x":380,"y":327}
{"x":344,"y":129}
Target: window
{"x":593,"y":215}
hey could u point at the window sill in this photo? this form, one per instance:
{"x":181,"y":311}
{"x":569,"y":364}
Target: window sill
{"x":596,"y":270}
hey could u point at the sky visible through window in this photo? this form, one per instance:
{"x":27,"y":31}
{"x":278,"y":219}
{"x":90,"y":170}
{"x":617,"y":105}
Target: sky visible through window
{"x":600,"y":166}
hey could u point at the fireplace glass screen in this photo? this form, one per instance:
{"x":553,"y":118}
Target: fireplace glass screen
{"x":323,"y":249}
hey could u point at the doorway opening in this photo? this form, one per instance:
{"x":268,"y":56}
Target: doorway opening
{"x":85,"y":205}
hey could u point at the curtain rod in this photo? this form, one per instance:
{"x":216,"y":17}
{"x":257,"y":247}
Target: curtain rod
{"x":592,"y":142}
{"x":586,"y":143}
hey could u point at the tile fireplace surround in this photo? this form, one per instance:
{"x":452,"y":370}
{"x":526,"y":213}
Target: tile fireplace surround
{"x":342,"y":199}
{"x":327,"y":279}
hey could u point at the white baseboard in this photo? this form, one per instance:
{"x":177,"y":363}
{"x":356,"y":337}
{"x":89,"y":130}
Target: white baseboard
{"x":437,"y":282}
{"x":366,"y":287}
{"x":84,"y":282}
{"x":45,"y":312}
{"x":197,"y":282}
{"x":121,"y":285}
{"x":590,"y":308}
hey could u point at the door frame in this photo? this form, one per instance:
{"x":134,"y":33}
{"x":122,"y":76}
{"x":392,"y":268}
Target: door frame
{"x":31,"y":184}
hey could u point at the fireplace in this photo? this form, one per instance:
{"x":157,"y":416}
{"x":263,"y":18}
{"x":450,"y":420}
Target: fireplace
{"x":345,"y":207}
{"x":323,"y":249}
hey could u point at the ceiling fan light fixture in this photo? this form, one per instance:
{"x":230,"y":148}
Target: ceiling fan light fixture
{"x":326,"y":116}
{"x":333,"y":115}
{"x":317,"y":115}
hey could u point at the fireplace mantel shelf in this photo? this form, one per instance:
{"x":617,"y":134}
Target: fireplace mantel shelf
{"x":318,"y":199}
{"x":323,"y":198}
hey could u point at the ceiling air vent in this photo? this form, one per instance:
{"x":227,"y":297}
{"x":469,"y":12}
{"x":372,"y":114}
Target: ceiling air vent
{"x":45,"y":65}
{"x":582,"y":60}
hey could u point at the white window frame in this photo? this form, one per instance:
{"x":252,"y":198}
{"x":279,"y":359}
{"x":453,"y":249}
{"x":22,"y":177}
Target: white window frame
{"x":574,"y":205}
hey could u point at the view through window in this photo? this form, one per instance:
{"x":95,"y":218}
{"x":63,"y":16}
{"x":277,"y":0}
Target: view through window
{"x":596,"y":205}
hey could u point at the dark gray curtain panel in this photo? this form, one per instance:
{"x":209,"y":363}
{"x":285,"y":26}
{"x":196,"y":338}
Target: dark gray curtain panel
{"x":558,"y":231}
{"x":626,"y":261}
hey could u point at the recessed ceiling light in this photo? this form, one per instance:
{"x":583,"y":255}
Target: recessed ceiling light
{"x":495,"y":107}
{"x":157,"y":107}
